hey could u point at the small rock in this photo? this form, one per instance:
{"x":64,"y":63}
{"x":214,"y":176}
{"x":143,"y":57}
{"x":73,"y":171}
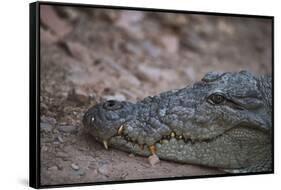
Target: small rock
{"x":130,"y":79}
{"x":118,"y":97}
{"x":53,"y":168}
{"x":104,"y":170}
{"x":77,"y":50}
{"x":75,"y":166}
{"x":69,"y":13}
{"x":171,"y":43}
{"x":61,"y":155}
{"x":55,"y":131}
{"x":151,"y":49}
{"x":124,"y":175}
{"x":79,"y":96}
{"x":128,"y":20}
{"x":126,"y":77}
{"x":153,"y":160}
{"x":131,"y":155}
{"x":132,"y":48}
{"x":149,"y":73}
{"x":47,"y":37}
{"x":68,"y":129}
{"x":93,"y":167}
{"x":44,"y":148}
{"x":94,"y":171}
{"x":81,"y":173}
{"x":46,"y":127}
{"x":84,"y":148}
{"x":60,"y":139}
{"x":65,"y":159}
{"x":156,"y":74}
{"x":60,"y":167}
{"x":51,"y":20}
{"x":226,"y":28}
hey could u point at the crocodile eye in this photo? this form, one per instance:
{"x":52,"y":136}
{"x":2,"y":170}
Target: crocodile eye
{"x":112,"y":105}
{"x":216,"y":99}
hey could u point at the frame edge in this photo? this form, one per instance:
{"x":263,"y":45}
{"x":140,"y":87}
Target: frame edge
{"x":34,"y":146}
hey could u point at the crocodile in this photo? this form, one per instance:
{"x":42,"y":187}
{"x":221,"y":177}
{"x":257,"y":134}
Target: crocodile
{"x":223,"y":121}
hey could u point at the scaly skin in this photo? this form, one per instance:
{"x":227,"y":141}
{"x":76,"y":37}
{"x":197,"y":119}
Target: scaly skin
{"x":223,"y":121}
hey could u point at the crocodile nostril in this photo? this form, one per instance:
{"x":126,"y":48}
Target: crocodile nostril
{"x":112,"y":105}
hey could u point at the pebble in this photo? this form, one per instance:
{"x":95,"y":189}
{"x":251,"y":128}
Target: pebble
{"x":81,"y":173}
{"x":60,"y":139}
{"x":68,"y":129}
{"x":62,"y":155}
{"x":53,"y":168}
{"x":50,"y":120}
{"x":84,"y":148}
{"x":153,"y":160}
{"x":119,"y":97}
{"x":55,"y":131}
{"x":131,"y":155}
{"x":156,"y":74}
{"x":58,"y":25}
{"x":124,"y":175}
{"x":60,"y":167}
{"x":78,"y":95}
{"x":104,"y":170}
{"x":44,"y":148}
{"x":46,"y":127}
{"x":170,"y":42}
{"x":149,"y":73}
{"x":75,"y":166}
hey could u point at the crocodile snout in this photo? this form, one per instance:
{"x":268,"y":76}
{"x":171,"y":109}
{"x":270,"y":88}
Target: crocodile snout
{"x":104,"y":119}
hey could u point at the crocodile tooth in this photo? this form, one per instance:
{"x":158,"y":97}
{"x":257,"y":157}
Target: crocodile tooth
{"x":105,"y":144}
{"x":180,"y":137}
{"x":172,"y":134}
{"x":152,"y":149}
{"x":120,"y":130}
{"x":93,"y":119}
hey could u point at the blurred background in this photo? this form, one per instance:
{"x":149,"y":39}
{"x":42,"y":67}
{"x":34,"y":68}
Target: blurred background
{"x":92,"y":54}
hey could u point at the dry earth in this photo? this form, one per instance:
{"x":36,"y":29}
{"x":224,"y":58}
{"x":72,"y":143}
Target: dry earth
{"x":90,"y":55}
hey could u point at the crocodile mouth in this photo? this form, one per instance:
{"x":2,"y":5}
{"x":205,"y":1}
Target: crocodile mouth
{"x":126,"y":139}
{"x":122,"y":140}
{"x":175,"y":147}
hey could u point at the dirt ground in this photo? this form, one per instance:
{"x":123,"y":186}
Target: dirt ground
{"x":90,"y":55}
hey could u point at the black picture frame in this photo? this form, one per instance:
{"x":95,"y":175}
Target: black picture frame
{"x":34,"y":91}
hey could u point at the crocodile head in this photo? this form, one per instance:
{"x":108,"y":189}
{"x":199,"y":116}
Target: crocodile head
{"x":223,"y":121}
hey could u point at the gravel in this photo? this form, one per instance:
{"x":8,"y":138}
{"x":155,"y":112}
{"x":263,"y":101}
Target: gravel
{"x":153,"y":160}
{"x":46,"y":127}
{"x":53,"y":168}
{"x":104,"y":170}
{"x":75,"y":166}
{"x":68,"y":129}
